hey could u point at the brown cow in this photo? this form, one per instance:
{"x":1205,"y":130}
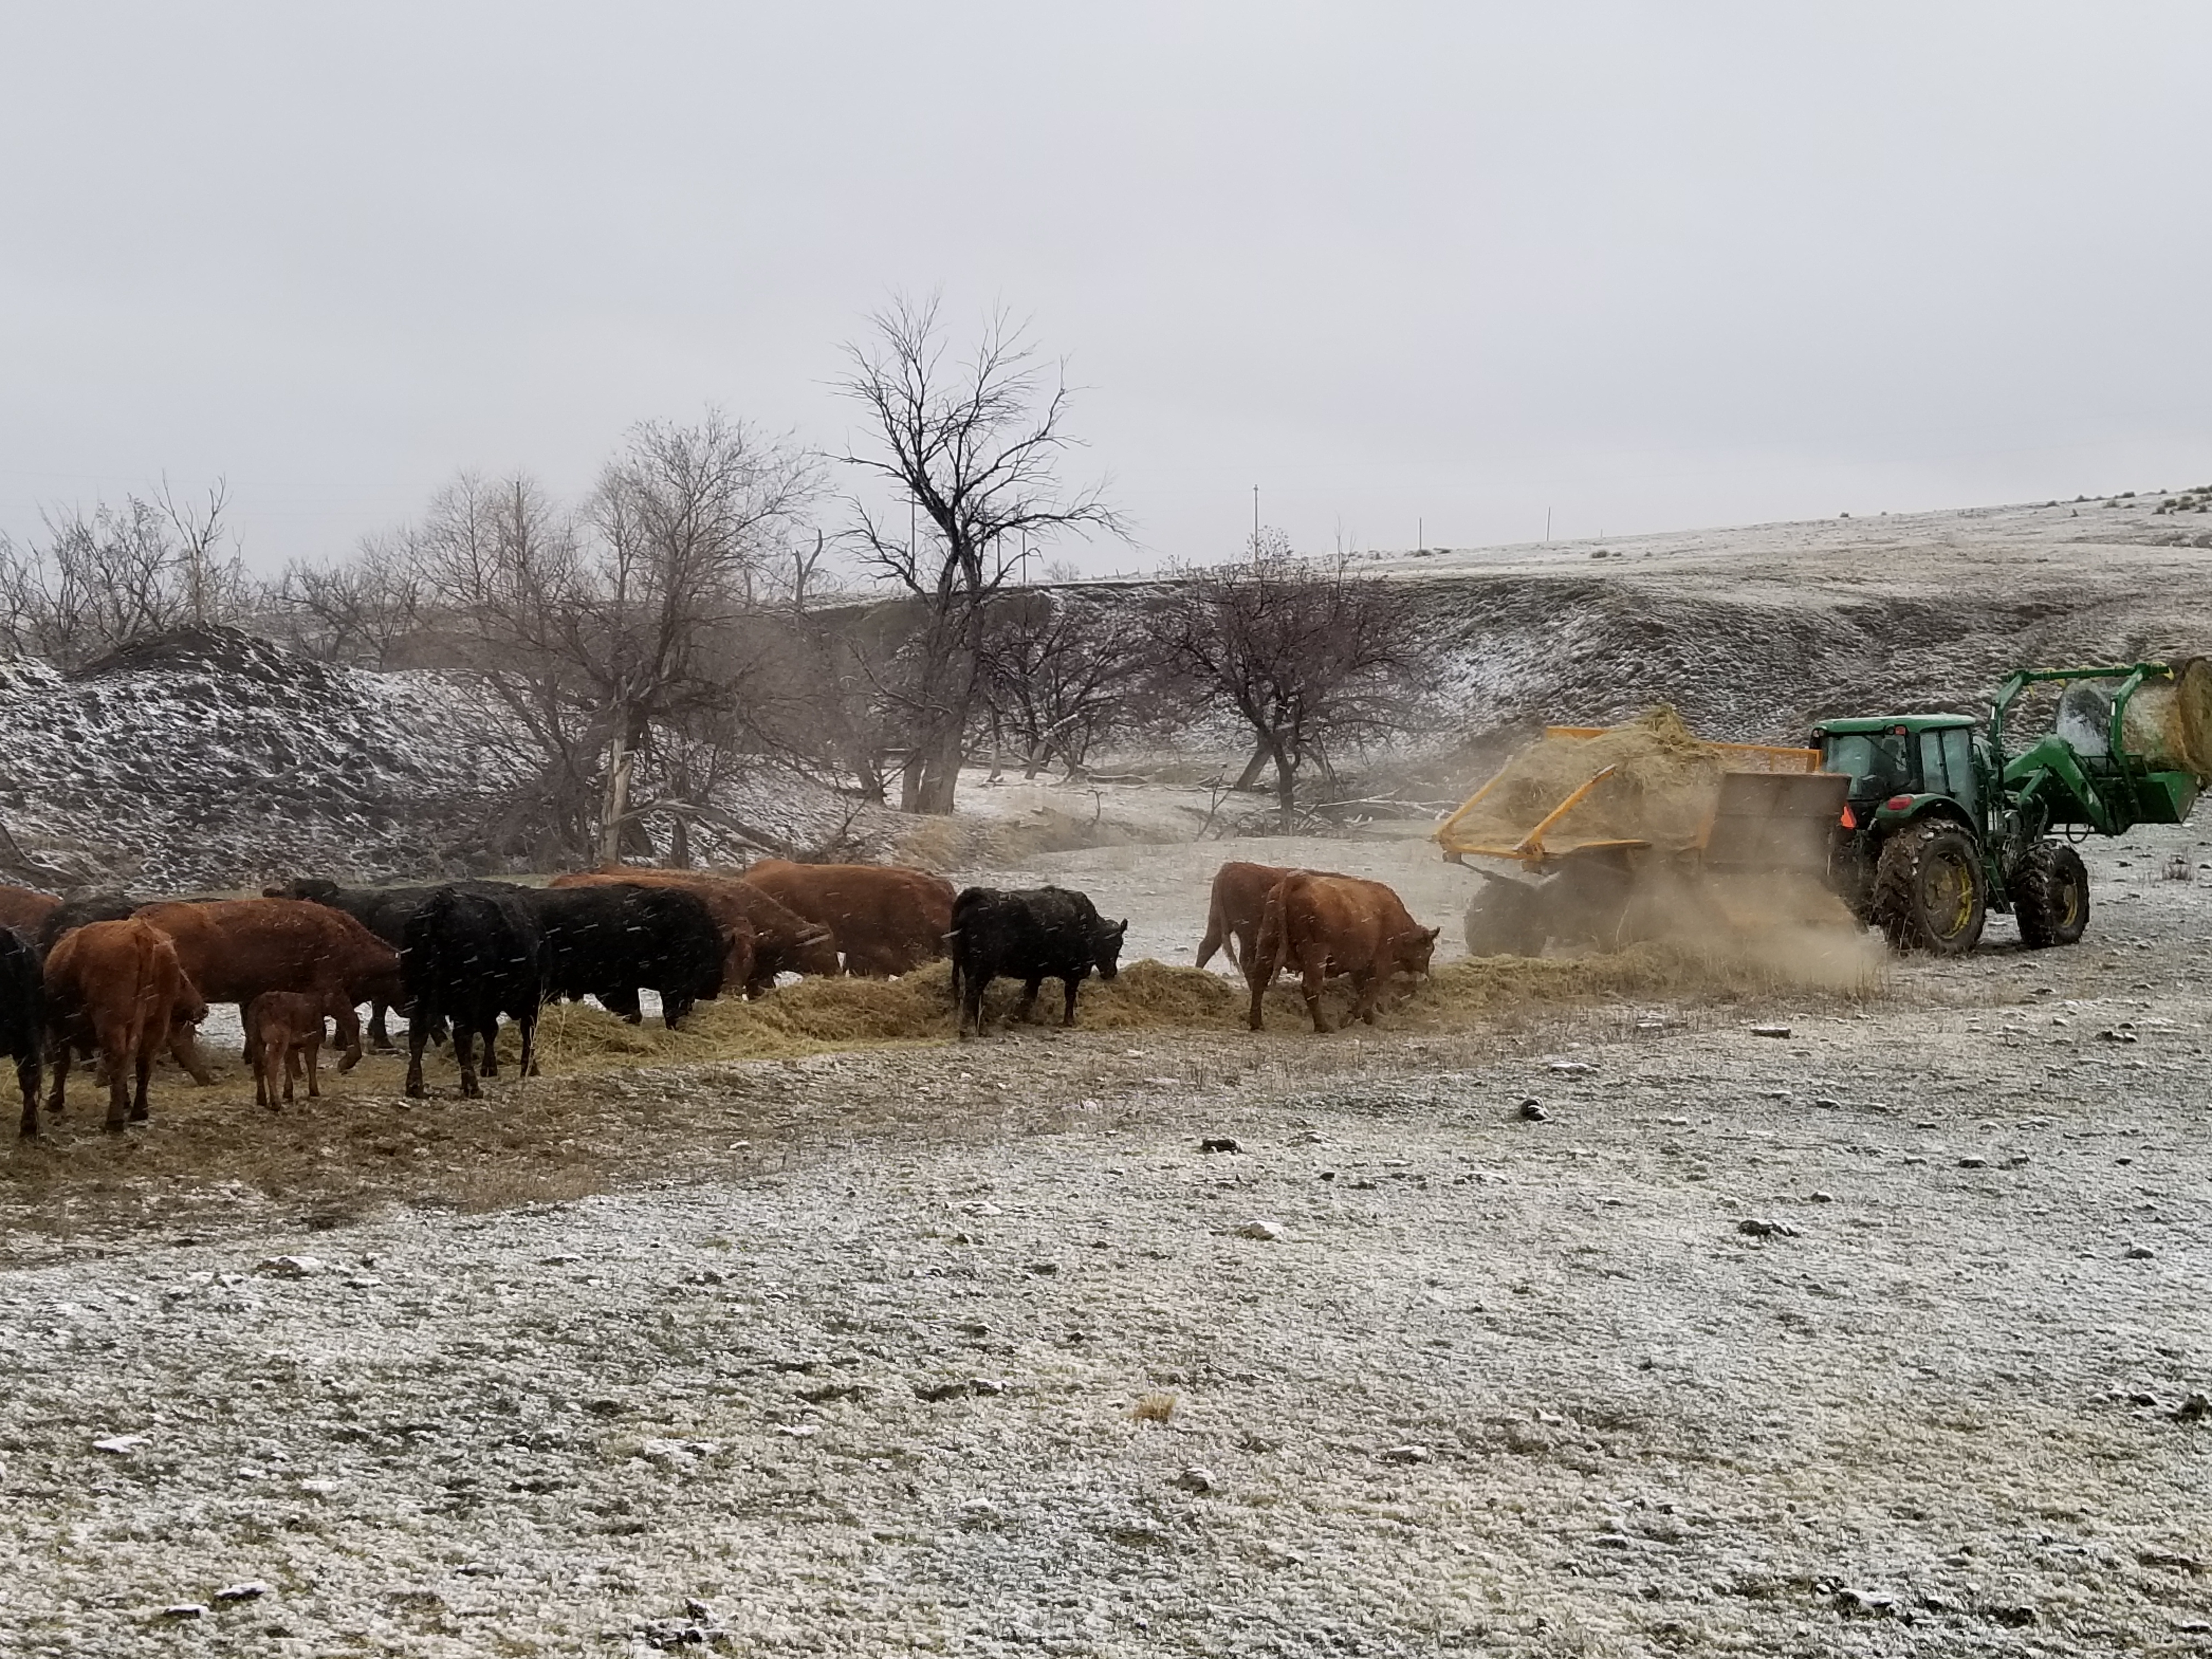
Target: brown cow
{"x":1331,"y":926}
{"x":116,"y":989}
{"x":282,"y":1027}
{"x":783,"y":942}
{"x":25,"y":909}
{"x":235,"y":949}
{"x":887,"y":918}
{"x":1232,"y":915}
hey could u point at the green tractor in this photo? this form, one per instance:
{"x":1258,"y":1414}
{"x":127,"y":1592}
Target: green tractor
{"x":1942,"y":825}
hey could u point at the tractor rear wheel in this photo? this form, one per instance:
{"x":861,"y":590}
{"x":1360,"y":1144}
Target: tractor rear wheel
{"x":1505,"y":918}
{"x":2050,"y":895}
{"x":1927,"y":892}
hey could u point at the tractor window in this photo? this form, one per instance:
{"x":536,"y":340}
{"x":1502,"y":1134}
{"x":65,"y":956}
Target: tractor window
{"x":1959,"y":763}
{"x":1933,"y":777}
{"x":1876,"y":761}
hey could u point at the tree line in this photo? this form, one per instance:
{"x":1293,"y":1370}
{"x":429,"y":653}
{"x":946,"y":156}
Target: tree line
{"x":723,"y":598}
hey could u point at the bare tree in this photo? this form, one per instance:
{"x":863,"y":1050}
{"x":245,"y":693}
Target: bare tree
{"x":98,"y":580}
{"x":359,"y":610}
{"x":206,"y":575}
{"x":601,"y":631}
{"x":1313,"y":659}
{"x":1057,"y":676}
{"x":972,"y":448}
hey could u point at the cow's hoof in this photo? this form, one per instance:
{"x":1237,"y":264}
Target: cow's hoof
{"x":415,"y":1092}
{"x":347,"y":1062}
{"x":115,"y":1126}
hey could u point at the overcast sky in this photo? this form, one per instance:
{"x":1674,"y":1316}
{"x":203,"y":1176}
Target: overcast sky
{"x":1443,"y":267}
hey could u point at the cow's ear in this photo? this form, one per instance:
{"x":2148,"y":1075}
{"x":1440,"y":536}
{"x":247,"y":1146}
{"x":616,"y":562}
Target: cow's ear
{"x":1121,"y":928}
{"x":1430,"y":933}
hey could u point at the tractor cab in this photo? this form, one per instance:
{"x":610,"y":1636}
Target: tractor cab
{"x":1903,"y":767}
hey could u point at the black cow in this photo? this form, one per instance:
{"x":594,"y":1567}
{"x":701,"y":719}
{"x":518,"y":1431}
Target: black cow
{"x":22,"y":1016}
{"x":1044,"y":933}
{"x":81,"y":905}
{"x":470,"y":955}
{"x":385,"y":912}
{"x":606,"y":942}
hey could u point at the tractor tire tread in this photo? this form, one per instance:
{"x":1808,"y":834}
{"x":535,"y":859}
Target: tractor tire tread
{"x":1895,"y":906}
{"x":2039,"y":891}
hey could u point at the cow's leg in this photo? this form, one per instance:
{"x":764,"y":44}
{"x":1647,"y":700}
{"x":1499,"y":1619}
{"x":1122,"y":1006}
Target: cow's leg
{"x":1371,"y":985}
{"x":120,"y":1065}
{"x":418,"y":1036}
{"x":348,"y":1022}
{"x":1030,"y":987}
{"x":1259,"y":993}
{"x":291,"y":1071}
{"x":139,"y":1113}
{"x":64,"y":1052}
{"x":491,"y":1047}
{"x":624,"y":1003}
{"x":379,"y":1036}
{"x":1317,"y":973}
{"x":465,"y":1052}
{"x":314,"y":1065}
{"x":27,"y":1078}
{"x":263,"y":1095}
{"x":529,"y":1024}
{"x":974,"y":984}
{"x":185,"y":1048}
{"x":1072,"y":981}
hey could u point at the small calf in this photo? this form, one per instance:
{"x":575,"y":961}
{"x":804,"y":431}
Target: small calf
{"x":282,"y":1027}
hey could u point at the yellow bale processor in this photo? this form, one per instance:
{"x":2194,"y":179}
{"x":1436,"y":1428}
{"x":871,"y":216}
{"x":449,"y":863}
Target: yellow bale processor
{"x":1607,"y":835}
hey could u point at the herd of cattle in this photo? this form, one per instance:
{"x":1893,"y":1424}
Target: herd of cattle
{"x":115,"y":978}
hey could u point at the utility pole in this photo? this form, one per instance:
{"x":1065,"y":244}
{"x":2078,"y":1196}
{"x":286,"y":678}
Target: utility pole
{"x":1256,"y":525}
{"x":1547,"y":524}
{"x":1420,"y":535}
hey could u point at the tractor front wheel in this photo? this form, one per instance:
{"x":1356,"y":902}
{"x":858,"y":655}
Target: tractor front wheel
{"x":1928,"y":893}
{"x":2050,"y":895}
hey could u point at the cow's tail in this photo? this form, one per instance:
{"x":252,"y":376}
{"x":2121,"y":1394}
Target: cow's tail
{"x":1271,"y":948}
{"x":146,"y":989}
{"x":1218,"y":936}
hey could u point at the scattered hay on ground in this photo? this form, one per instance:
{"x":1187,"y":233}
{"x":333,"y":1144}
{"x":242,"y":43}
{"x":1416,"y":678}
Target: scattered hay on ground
{"x":619,"y":1103}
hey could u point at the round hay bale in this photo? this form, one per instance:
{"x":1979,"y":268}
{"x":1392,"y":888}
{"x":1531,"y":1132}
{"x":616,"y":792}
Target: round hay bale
{"x":2169,"y":721}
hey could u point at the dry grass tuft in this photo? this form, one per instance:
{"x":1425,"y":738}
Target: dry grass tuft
{"x":1153,"y":1408}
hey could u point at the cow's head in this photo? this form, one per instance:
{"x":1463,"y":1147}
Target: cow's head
{"x":191,"y":1007}
{"x":1415,"y":949}
{"x":1106,"y":947}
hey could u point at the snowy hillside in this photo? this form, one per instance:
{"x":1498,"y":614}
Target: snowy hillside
{"x":212,"y":758}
